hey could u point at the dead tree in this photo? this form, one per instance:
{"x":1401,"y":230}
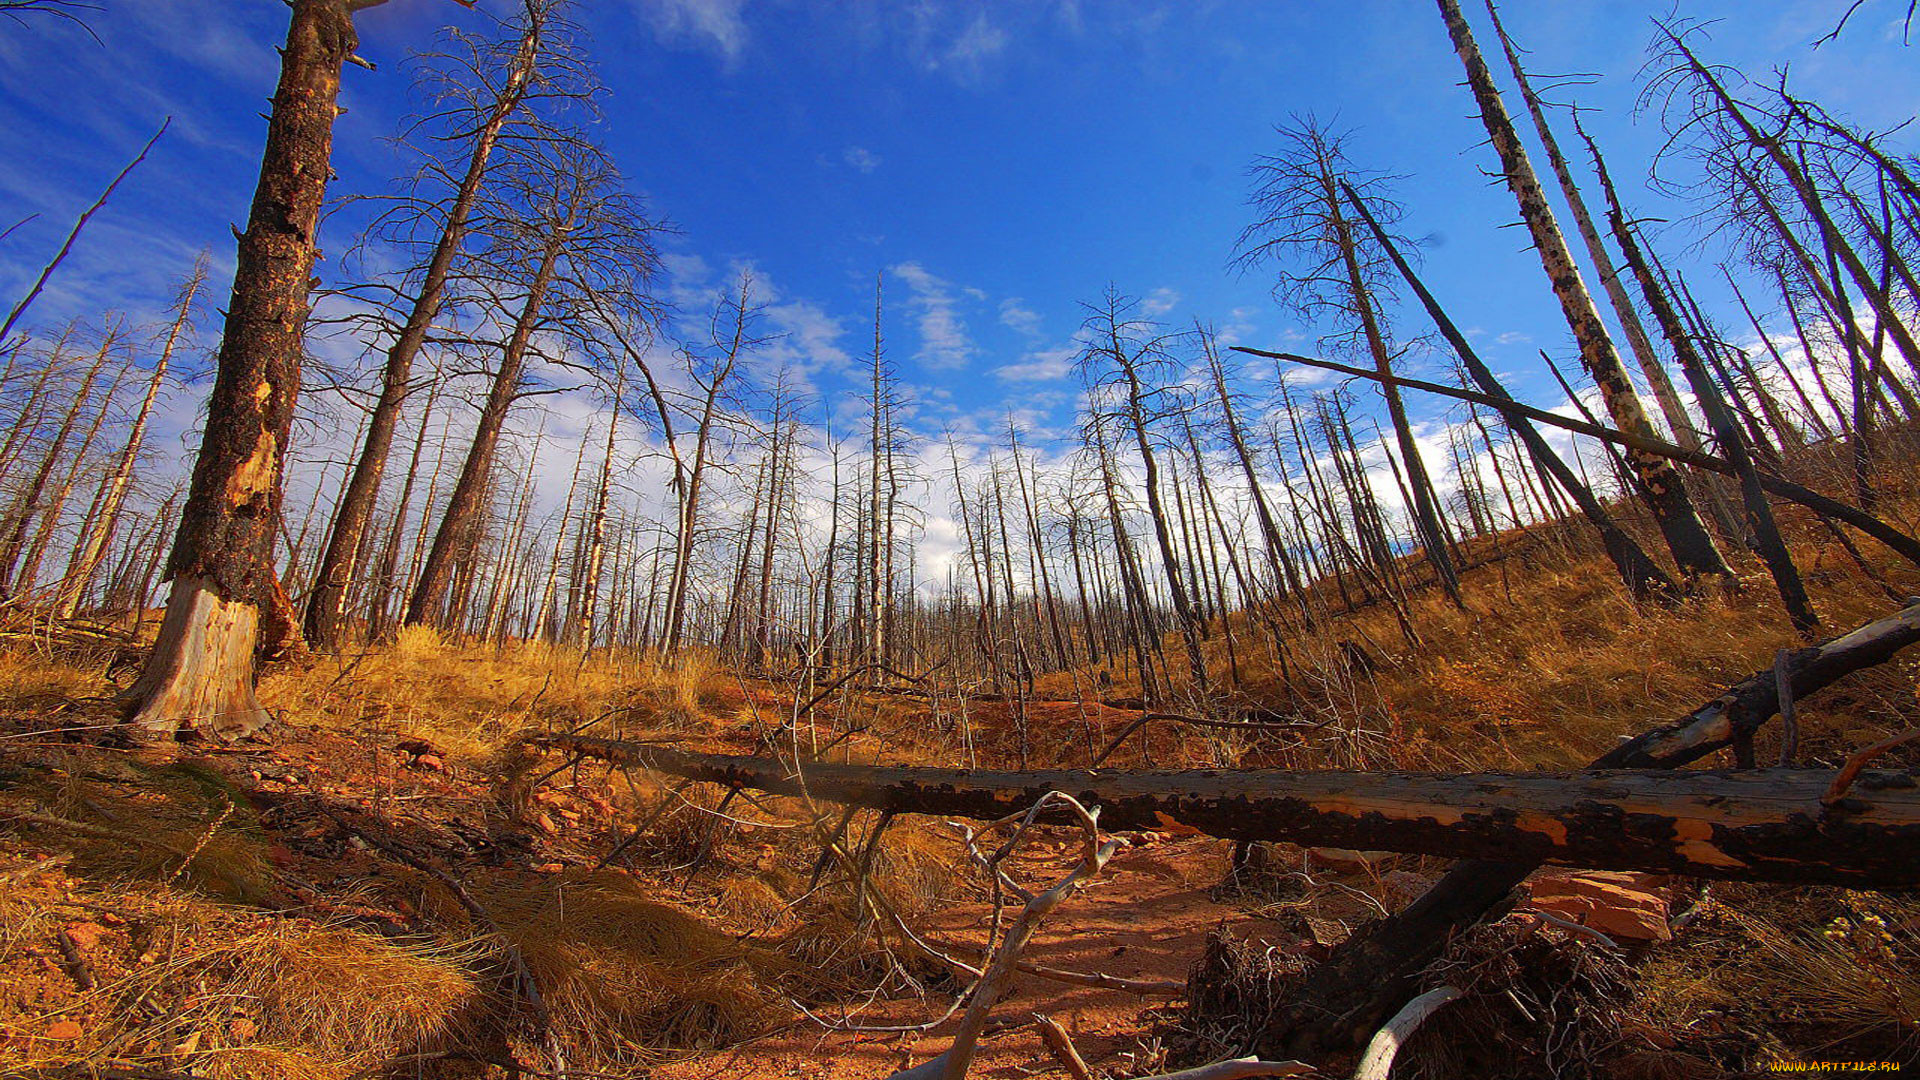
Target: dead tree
{"x":1306,"y":230}
{"x":1767,"y":540}
{"x":201,"y":672}
{"x":1684,"y":432}
{"x":92,"y":545}
{"x":28,"y":507}
{"x":1123,"y":355}
{"x":488,"y":82}
{"x":1658,"y":483}
{"x":569,"y":230}
{"x":1344,"y":998}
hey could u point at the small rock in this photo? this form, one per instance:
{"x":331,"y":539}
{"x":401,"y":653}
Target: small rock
{"x":85,"y":935}
{"x":428,"y":763}
{"x":1623,"y":906}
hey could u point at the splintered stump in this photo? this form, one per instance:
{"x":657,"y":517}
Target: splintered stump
{"x":1766,"y":825}
{"x":201,"y":675}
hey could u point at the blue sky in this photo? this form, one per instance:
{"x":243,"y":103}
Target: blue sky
{"x":998,"y":161}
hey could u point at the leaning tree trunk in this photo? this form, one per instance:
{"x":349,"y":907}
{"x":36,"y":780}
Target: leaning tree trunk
{"x":1659,"y":483}
{"x":458,"y":534}
{"x":201,"y":674}
{"x":332,"y":578}
{"x":1684,"y":432}
{"x":93,"y":543}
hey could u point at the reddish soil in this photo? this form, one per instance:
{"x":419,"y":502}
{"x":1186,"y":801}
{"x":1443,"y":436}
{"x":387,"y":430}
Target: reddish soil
{"x":1146,"y":917}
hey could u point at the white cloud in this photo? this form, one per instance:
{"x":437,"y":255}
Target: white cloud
{"x":980,"y":42}
{"x":811,"y":334}
{"x":1040,"y":366}
{"x":1512,"y":337}
{"x":713,"y":23}
{"x":1015,"y":315}
{"x":1159,"y":302}
{"x":861,"y":158}
{"x":943,"y":336}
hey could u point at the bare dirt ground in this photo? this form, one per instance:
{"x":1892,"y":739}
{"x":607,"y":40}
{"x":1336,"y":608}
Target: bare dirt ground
{"x":1146,"y":918}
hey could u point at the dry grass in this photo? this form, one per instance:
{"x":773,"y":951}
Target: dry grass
{"x":631,"y":980}
{"x":224,"y":993}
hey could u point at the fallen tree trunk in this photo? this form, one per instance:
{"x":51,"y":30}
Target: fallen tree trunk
{"x":1346,"y":997}
{"x":1753,"y":825}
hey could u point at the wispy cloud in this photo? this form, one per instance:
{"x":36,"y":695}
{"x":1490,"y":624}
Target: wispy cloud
{"x":979,"y":43}
{"x":944,"y":343}
{"x":1040,"y":366}
{"x":1159,"y":302}
{"x":714,"y":24}
{"x":861,"y":158}
{"x":1016,"y":316}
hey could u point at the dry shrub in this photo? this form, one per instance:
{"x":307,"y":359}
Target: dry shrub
{"x":1234,"y":988}
{"x":1534,"y":1003}
{"x":35,"y":683}
{"x":331,"y":988}
{"x":468,"y":700}
{"x":629,"y":979}
{"x":914,"y":867}
{"x":1765,"y":964}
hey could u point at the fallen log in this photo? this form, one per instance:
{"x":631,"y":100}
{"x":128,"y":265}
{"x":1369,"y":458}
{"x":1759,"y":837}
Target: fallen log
{"x":1342,"y":1000}
{"x":1751,"y":825}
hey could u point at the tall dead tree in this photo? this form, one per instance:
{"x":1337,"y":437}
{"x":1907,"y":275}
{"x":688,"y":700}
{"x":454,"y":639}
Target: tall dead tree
{"x":1658,"y":483}
{"x":1767,"y":541}
{"x":92,"y":545}
{"x":30,"y":504}
{"x":478,"y":88}
{"x":566,"y":231}
{"x":201,"y":671}
{"x":1124,"y":355}
{"x":1642,"y":576}
{"x":1306,"y":232}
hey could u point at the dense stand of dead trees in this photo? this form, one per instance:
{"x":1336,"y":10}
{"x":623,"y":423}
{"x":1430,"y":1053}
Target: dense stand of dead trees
{"x":1216,"y":511}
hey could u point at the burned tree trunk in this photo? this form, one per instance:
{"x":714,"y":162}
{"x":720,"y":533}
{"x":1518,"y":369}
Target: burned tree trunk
{"x":1657,"y":480}
{"x":1752,"y":825}
{"x":1344,"y":1000}
{"x":201,"y":673}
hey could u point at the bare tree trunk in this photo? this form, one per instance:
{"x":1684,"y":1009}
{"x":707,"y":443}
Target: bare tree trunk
{"x":1641,"y":575}
{"x":1766,"y":533}
{"x":28,"y":506}
{"x":1658,"y":482}
{"x":458,"y":534}
{"x":93,"y":543}
{"x":201,"y":673}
